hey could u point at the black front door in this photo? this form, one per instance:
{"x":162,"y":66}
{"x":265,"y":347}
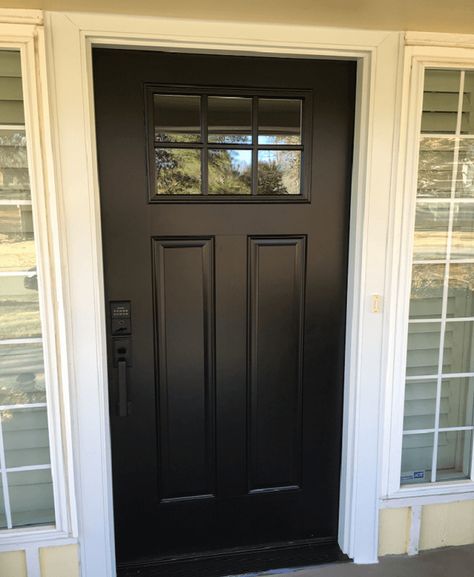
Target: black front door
{"x":225,"y":187}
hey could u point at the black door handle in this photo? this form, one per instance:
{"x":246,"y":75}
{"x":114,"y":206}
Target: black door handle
{"x":122,"y":388}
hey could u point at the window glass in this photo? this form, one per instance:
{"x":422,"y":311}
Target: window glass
{"x":279,"y":121}
{"x":279,"y":172}
{"x":26,"y":491}
{"x":229,"y":119}
{"x":230,"y":171}
{"x":206,"y":145}
{"x":177,"y":118}
{"x":439,"y":389}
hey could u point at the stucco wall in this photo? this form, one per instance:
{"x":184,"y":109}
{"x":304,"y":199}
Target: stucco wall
{"x":52,"y":562}
{"x":442,"y":525}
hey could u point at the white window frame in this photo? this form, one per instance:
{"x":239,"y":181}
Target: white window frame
{"x":424,"y":50}
{"x":23,"y":31}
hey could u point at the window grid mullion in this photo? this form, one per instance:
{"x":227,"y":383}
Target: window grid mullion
{"x":438,"y":319}
{"x":254,"y":145}
{"x":444,"y":307}
{"x":205,"y":152}
{"x":28,"y":468}
{"x":440,"y":430}
{"x":23,"y":406}
{"x":3,"y":471}
{"x":444,"y":376}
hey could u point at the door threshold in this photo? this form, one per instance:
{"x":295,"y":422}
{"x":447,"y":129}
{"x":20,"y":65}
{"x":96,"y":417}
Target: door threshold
{"x":230,"y":562}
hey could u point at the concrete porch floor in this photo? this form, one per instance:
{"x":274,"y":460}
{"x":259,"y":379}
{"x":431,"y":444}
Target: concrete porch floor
{"x":452,"y":561}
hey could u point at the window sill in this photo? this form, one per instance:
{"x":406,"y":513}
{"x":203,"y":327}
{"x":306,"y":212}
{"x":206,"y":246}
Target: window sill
{"x":12,"y":539}
{"x":427,"y":494}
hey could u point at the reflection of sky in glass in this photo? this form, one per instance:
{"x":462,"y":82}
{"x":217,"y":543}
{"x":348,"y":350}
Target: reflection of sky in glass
{"x":241,"y":159}
{"x":268,"y":156}
{"x":278,"y":139}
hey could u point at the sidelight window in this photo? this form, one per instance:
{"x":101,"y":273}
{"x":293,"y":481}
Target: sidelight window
{"x":439,"y":391}
{"x":227,"y":145}
{"x":26,"y":488}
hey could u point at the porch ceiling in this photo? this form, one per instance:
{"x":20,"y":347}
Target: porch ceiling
{"x":427,"y":15}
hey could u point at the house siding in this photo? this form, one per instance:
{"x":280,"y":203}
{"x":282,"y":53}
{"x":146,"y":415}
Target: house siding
{"x":442,"y":525}
{"x":43,"y":562}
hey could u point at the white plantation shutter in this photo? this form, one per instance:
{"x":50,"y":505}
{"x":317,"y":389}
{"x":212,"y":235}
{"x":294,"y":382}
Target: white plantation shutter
{"x":440,"y":102}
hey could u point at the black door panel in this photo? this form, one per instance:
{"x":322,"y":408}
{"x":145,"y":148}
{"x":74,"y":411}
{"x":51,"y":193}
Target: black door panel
{"x":233,"y":432}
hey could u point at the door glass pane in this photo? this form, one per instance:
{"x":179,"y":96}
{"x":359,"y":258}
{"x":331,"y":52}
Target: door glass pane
{"x":426,"y":291}
{"x":420,"y":405}
{"x":431,"y":231}
{"x":458,"y":347}
{"x":25,"y":436}
{"x":463,"y":231}
{"x":19,"y":308}
{"x":31,"y":498}
{"x":178,"y":171}
{"x":454,"y":455}
{"x":279,"y":172}
{"x":229,"y":119}
{"x":417,"y":458}
{"x":21,"y":374}
{"x":177,"y":118}
{"x":17,"y":250}
{"x":435,"y":167}
{"x":230,"y":171}
{"x":423,"y":349}
{"x":236,"y":161}
{"x":457,"y":402}
{"x":461,"y":290}
{"x":279,"y":121}
{"x":440,"y":101}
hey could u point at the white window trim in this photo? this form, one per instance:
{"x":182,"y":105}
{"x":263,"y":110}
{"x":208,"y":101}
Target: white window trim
{"x":23,"y":30}
{"x":423,"y":50}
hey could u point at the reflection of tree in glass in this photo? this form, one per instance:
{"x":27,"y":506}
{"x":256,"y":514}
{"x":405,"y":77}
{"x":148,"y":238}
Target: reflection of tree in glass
{"x":270,"y":179}
{"x":229,"y":172}
{"x":279,"y":173}
{"x":178,"y":171}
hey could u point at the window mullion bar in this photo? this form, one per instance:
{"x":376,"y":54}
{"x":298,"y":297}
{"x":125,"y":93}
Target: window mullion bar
{"x":28,"y":468}
{"x":24,"y":341}
{"x":444,"y":200}
{"x":444,"y":308}
{"x":448,"y":320}
{"x":205,"y":152}
{"x":23,"y":406}
{"x":3,"y":470}
{"x":254,"y":145}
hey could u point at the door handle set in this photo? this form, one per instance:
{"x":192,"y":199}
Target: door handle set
{"x":121,"y":329}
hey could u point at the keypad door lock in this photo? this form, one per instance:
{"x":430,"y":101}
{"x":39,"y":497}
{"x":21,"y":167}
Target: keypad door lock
{"x":121,"y":318}
{"x":121,"y":329}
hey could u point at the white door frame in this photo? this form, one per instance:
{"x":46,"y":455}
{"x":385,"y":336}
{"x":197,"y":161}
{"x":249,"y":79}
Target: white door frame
{"x":69,"y":41}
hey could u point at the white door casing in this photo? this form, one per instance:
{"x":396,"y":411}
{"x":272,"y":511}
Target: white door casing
{"x":68,"y":59}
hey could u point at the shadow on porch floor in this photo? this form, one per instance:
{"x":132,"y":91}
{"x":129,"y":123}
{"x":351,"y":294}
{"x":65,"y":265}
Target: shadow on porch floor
{"x":453,"y":561}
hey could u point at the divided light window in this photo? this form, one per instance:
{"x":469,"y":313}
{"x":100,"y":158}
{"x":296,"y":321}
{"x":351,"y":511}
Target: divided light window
{"x":227,"y":145}
{"x":439,"y":393}
{"x":26,"y":491}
